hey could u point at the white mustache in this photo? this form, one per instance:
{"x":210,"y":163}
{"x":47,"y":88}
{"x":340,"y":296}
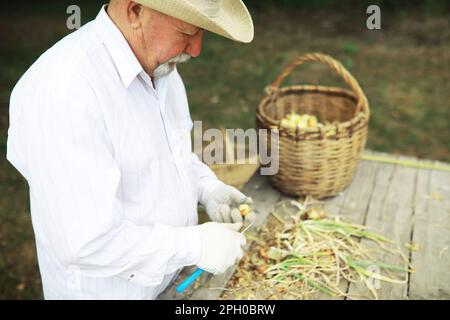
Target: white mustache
{"x":170,"y":64}
{"x":184,"y":57}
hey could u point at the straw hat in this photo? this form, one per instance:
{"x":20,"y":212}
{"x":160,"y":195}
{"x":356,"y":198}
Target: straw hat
{"x":228,"y":18}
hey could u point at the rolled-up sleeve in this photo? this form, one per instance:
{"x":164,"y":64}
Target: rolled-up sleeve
{"x":74,"y":182}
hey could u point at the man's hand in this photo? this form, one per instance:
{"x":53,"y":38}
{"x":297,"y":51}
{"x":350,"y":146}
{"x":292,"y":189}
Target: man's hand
{"x":221,"y":246}
{"x":223,"y":202}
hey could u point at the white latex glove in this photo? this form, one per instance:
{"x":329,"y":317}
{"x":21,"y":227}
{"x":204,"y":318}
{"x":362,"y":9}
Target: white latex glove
{"x":221,"y":205}
{"x":221,"y":246}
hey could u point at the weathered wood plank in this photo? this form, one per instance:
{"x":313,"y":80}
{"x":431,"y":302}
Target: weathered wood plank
{"x":390,"y":213}
{"x":420,"y":231}
{"x":431,"y":263}
{"x":406,"y":161}
{"x":359,"y":193}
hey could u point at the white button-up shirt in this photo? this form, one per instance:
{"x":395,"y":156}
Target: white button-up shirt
{"x":114,"y":186}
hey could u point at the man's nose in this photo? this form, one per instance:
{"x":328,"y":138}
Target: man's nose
{"x":194,"y":47}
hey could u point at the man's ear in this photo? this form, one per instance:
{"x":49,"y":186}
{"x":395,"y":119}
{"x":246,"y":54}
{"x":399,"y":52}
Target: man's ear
{"x":134,"y":13}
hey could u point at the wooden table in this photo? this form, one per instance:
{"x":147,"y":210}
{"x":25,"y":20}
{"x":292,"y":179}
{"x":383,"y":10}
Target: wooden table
{"x":405,"y":203}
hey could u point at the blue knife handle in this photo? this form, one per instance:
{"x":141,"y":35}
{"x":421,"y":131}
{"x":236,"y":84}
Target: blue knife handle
{"x":186,"y":283}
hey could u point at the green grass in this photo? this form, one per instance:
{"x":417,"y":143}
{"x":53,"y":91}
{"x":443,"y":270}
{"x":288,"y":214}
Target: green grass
{"x":403,"y":69}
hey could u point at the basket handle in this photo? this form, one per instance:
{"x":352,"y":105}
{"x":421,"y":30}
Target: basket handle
{"x":336,"y":66}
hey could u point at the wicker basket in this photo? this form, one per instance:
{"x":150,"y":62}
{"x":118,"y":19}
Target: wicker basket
{"x":313,"y":161}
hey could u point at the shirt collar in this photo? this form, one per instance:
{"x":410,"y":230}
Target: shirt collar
{"x":126,"y":62}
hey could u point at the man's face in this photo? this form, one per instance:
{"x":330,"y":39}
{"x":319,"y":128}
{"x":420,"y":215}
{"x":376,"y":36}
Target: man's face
{"x":168,"y":41}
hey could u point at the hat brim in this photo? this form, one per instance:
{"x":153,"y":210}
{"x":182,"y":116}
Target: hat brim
{"x":233,"y":21}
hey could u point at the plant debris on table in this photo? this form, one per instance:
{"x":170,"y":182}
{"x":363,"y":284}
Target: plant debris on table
{"x":308,"y":254}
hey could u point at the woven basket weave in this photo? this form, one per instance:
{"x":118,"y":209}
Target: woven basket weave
{"x":316,"y":162}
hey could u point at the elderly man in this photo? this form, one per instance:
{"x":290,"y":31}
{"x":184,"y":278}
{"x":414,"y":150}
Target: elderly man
{"x":100,"y":128}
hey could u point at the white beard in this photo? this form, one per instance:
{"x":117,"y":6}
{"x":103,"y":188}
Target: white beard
{"x":167,"y":67}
